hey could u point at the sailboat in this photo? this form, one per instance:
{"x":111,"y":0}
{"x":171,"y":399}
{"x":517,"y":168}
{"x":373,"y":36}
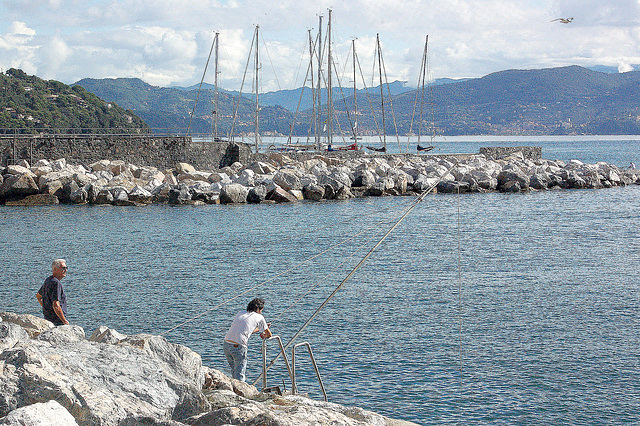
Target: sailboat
{"x":384,"y":132}
{"x":420,"y":94}
{"x":253,"y":50}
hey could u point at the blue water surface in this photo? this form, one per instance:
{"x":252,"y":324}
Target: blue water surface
{"x":478,"y":309}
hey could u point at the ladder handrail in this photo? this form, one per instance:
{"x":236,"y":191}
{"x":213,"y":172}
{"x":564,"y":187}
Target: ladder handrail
{"x":264,"y":359}
{"x":315,"y":366}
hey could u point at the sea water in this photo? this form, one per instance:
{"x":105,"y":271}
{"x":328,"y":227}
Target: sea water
{"x":477,"y":309}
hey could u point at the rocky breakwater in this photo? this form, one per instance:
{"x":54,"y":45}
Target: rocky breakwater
{"x":279,"y":178}
{"x":55,"y":376}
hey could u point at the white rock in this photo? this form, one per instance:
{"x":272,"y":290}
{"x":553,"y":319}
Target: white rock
{"x":58,"y":164}
{"x":15,"y":169}
{"x":185,"y":168}
{"x":49,"y":413}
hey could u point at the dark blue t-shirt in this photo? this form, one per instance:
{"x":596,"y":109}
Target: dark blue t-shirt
{"x":51,"y":291}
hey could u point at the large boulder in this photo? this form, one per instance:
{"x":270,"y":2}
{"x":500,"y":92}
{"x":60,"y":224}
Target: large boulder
{"x":257,"y":194}
{"x":14,"y":169}
{"x":63,"y":334}
{"x":104,"y":196}
{"x":511,"y":177}
{"x":258,"y":167}
{"x":287,"y":179}
{"x":234,"y":193}
{"x":179,"y":195}
{"x":313,"y":192}
{"x":49,"y":413}
{"x":279,"y":195}
{"x":18,"y":186}
{"x":140,"y":377}
{"x":80,"y":196}
{"x":184,"y":168}
{"x":365,"y":178}
{"x":140,"y":195}
{"x":10,"y":334}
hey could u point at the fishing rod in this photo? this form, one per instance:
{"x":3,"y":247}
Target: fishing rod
{"x":355,"y":268}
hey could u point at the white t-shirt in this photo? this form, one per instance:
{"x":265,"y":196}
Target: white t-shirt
{"x":243,"y":325}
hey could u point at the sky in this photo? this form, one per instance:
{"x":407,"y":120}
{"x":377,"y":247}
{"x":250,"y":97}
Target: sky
{"x":167,"y":42}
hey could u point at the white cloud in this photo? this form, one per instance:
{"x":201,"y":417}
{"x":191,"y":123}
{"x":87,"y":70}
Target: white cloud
{"x":51,"y":56}
{"x":167,"y":41}
{"x":17,"y":49}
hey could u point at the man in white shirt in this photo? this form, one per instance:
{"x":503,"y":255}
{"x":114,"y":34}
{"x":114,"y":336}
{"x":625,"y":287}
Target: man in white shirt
{"x":235,"y":342}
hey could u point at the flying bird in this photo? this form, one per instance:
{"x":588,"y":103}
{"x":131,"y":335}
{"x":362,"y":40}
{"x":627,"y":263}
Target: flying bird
{"x":563,"y":20}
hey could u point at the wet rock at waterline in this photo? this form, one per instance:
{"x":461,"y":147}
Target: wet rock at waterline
{"x":280,"y":179}
{"x":58,"y":377}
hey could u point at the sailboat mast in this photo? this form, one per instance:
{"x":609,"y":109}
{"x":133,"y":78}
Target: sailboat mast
{"x":257,"y":64}
{"x":355,"y":95}
{"x":216,"y":99}
{"x":422,"y":83}
{"x":329,"y":92}
{"x":384,"y":132}
{"x":319,"y":90}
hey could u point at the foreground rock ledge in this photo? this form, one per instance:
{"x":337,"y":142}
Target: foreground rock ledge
{"x":279,"y":179}
{"x":55,"y":376}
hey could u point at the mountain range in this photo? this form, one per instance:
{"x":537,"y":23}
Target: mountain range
{"x":566,"y":100}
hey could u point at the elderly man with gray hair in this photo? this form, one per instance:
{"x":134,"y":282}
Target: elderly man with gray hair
{"x":51,"y":295}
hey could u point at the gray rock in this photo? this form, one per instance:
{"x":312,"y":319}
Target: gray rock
{"x":234,"y":193}
{"x":62,"y":334}
{"x":34,"y":200}
{"x":179,"y":195}
{"x":313,"y":192}
{"x":49,"y":413}
{"x":246,"y":178}
{"x":184,"y":168}
{"x":15,"y":169}
{"x":140,"y":195}
{"x":106,"y":335}
{"x":30,"y":323}
{"x":343,"y":193}
{"x":257,"y":194}
{"x":80,"y":196}
{"x":103,"y":384}
{"x":365,"y":179}
{"x":261,"y":168}
{"x":287,"y":180}
{"x":512,"y":186}
{"x":103,"y":197}
{"x":422,"y":182}
{"x":574,"y":181}
{"x":452,"y":187}
{"x":279,"y":195}
{"x":10,"y":334}
{"x":512,"y":174}
{"x":18,"y":186}
{"x":540,"y":180}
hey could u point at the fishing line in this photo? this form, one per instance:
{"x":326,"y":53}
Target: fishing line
{"x":355,"y":268}
{"x":325,"y":279}
{"x":275,"y":276}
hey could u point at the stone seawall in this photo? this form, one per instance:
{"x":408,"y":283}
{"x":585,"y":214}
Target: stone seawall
{"x":147,"y":150}
{"x":498,"y":152}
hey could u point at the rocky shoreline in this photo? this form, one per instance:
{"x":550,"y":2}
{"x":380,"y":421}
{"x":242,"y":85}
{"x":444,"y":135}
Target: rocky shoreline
{"x":55,"y":376}
{"x":279,"y":178}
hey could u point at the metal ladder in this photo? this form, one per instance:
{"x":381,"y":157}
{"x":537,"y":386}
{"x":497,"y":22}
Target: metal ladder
{"x":291,"y":368}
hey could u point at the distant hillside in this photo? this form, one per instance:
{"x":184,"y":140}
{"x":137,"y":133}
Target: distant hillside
{"x":568,"y":100}
{"x":169,"y":108}
{"x":32,"y":104}
{"x":300,"y":99}
{"x":548,"y":101}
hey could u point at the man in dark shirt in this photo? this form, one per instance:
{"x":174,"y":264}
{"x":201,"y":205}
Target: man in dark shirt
{"x":51,"y":295}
